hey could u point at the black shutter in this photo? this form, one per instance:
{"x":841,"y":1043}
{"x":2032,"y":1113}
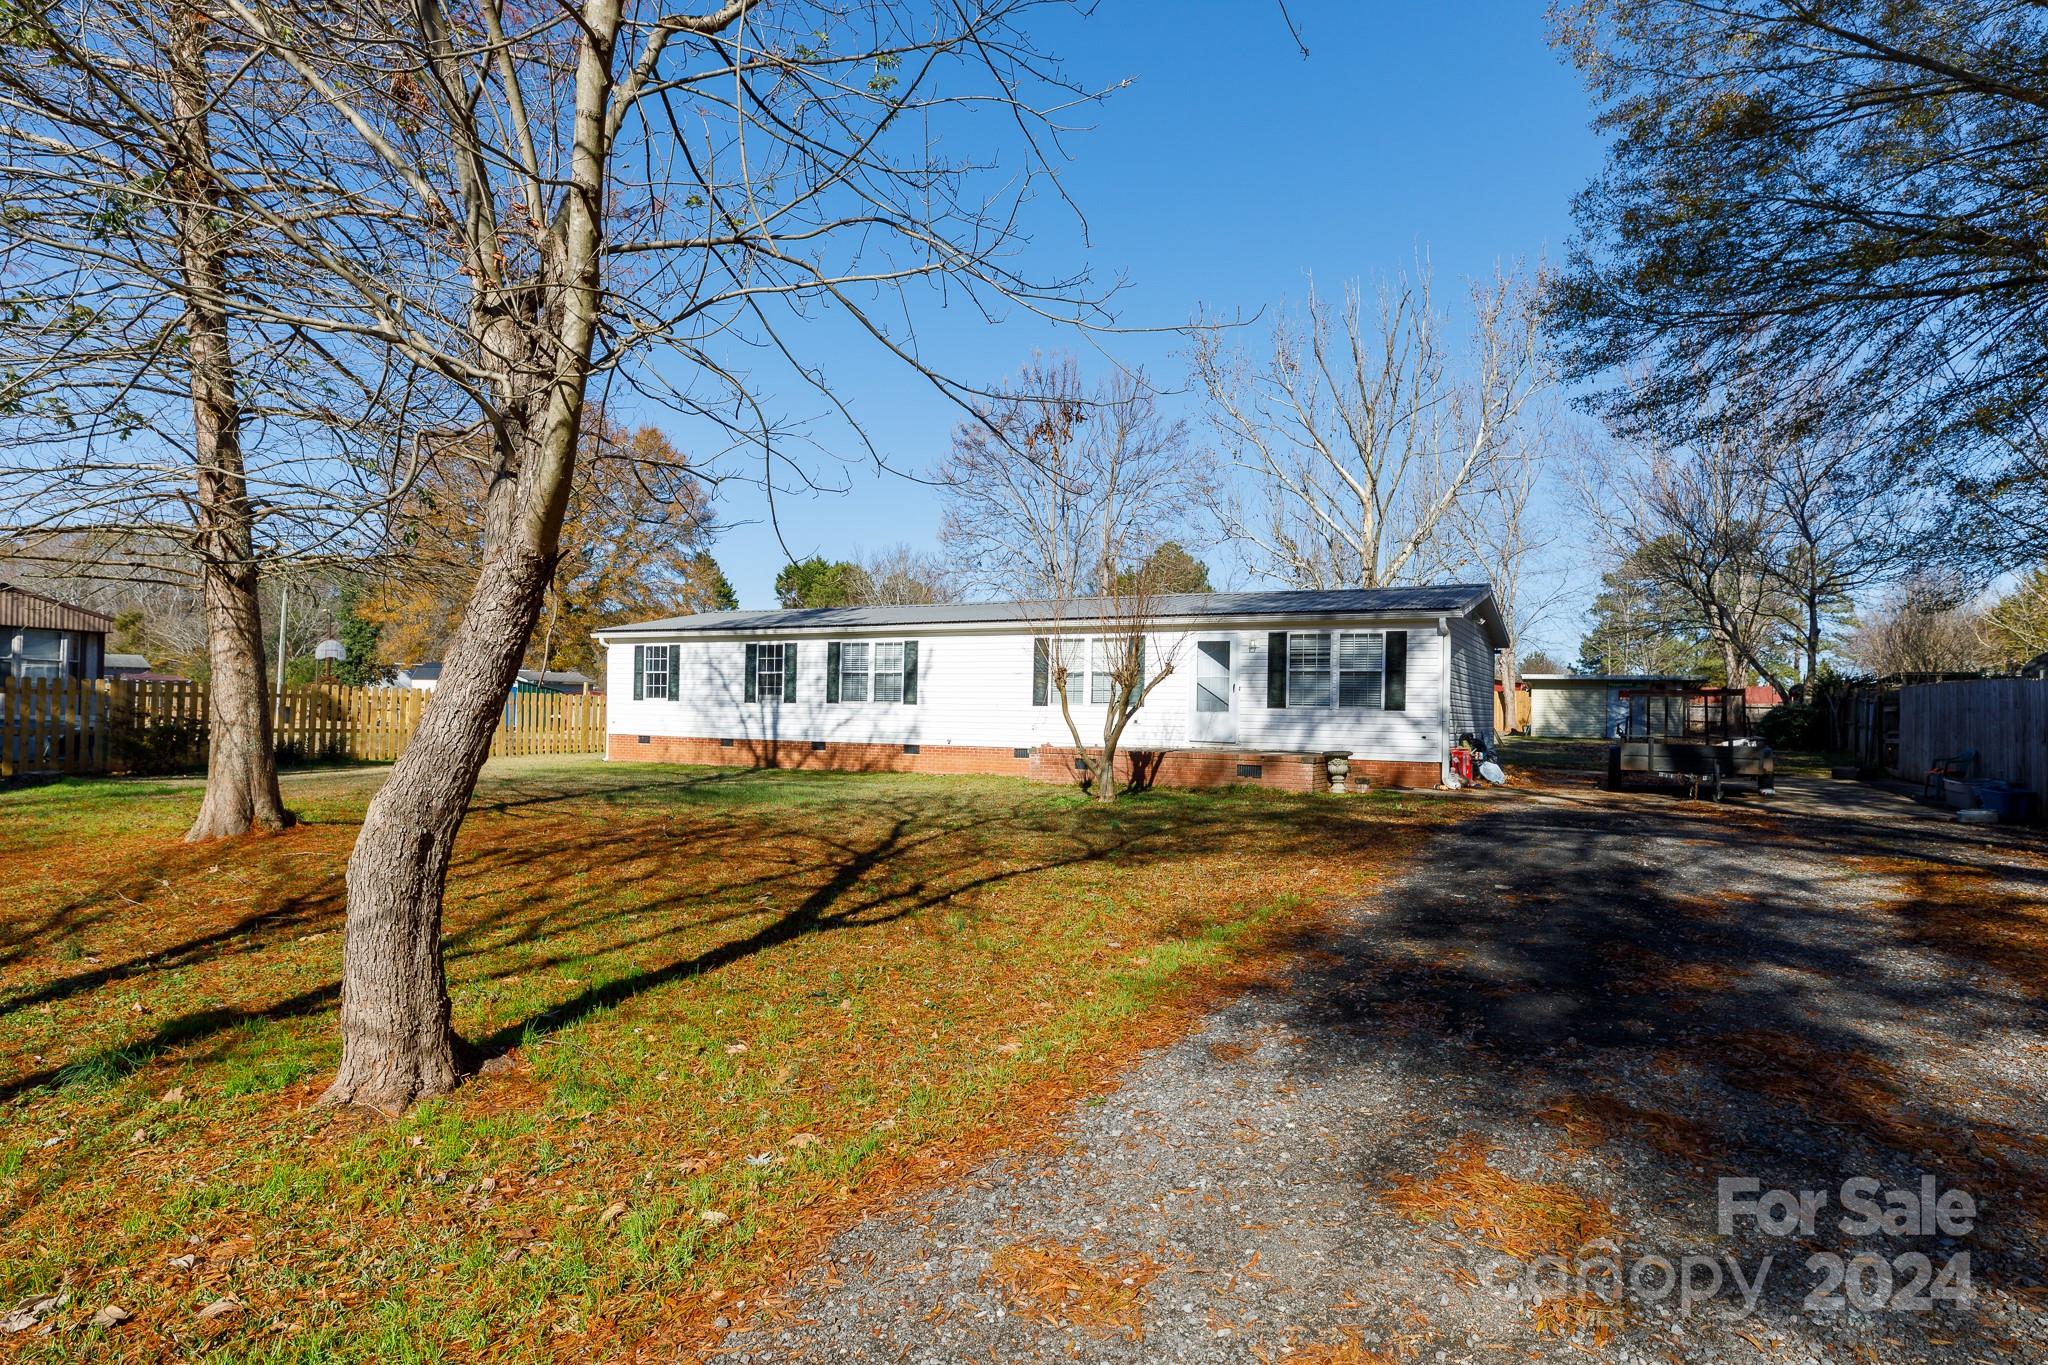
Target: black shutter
{"x":1397,"y":670}
{"x":832,"y":672}
{"x":1276,"y":669}
{"x":675,"y":672}
{"x":1041,"y":666}
{"x":910,"y":672}
{"x":639,"y":672}
{"x":789,"y":671}
{"x":753,"y":668}
{"x":1137,"y":697}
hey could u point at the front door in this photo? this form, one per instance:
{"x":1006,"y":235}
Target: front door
{"x":1215,"y":718}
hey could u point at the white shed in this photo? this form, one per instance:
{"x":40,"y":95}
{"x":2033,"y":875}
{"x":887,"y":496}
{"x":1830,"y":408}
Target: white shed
{"x":1584,"y":705}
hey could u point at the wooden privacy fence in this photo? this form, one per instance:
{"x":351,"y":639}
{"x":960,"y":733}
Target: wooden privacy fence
{"x":2004,"y":719}
{"x":71,"y":726}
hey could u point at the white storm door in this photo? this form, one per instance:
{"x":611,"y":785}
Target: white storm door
{"x":1215,"y":717}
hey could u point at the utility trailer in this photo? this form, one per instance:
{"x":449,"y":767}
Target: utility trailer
{"x":1699,"y":735}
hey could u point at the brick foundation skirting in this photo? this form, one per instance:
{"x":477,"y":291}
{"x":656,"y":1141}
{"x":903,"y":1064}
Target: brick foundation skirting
{"x":1294,"y":772}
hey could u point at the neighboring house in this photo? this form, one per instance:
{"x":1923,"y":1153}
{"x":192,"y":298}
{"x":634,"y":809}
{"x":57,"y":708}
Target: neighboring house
{"x":41,"y":637}
{"x":427,"y":677}
{"x":125,"y":666}
{"x":567,"y":681}
{"x":1265,"y":685}
{"x":1586,"y":706}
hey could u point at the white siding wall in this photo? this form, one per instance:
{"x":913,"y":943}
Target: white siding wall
{"x":1472,"y":674}
{"x":1566,"y":709}
{"x":974,"y":687}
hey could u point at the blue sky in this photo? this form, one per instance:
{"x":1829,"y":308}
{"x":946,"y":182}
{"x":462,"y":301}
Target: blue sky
{"x":1230,"y":171}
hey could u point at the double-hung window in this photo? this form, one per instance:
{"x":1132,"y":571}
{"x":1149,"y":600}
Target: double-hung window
{"x":1361,"y":669}
{"x":656,"y":670}
{"x":853,"y":672}
{"x":1308,"y":670}
{"x":888,"y":677}
{"x":1099,"y":669}
{"x":1074,"y":655}
{"x":871,"y":670}
{"x":768,"y":672}
{"x":657,"y":673}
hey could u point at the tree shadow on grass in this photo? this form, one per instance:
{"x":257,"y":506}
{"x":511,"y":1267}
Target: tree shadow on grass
{"x":686,"y":872}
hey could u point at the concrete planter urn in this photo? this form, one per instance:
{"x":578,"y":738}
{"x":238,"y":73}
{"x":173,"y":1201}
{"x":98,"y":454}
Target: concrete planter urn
{"x":1340,"y":769}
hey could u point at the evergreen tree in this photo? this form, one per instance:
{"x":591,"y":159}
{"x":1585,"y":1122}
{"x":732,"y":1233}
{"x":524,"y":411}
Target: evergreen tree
{"x":818,"y":582}
{"x":359,"y":637}
{"x":709,"y":588}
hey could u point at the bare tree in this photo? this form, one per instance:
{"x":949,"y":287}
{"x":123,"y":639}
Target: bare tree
{"x":2014,"y":627}
{"x":1057,"y":494}
{"x":1502,"y":534}
{"x":1345,"y":452}
{"x":134,"y":383}
{"x":528,"y":204}
{"x":1837,"y":532}
{"x":1924,"y":625}
{"x":1696,"y":522}
{"x":902,"y":577}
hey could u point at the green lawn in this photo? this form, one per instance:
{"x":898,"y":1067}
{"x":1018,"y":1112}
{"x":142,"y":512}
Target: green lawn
{"x":743,"y":1006}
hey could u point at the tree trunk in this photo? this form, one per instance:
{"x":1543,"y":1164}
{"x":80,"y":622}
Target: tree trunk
{"x":1812,"y":644}
{"x":1105,"y":773}
{"x":241,"y":763}
{"x":398,"y":1044}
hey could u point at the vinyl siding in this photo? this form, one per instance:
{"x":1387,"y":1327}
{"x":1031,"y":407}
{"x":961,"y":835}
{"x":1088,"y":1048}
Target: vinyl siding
{"x":974,"y":688}
{"x":1472,"y":674}
{"x":1562,"y":709}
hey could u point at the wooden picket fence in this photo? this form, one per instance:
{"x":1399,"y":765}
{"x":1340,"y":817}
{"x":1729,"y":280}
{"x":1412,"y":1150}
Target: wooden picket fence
{"x":73,"y":726}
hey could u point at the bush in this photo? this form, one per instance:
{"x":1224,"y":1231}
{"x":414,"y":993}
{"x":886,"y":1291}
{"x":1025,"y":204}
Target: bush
{"x":1794,"y":726}
{"x":158,"y":750}
{"x":293,"y":753}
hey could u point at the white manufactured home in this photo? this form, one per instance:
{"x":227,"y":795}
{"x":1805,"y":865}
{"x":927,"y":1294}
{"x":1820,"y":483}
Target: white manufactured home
{"x":1264,"y":687}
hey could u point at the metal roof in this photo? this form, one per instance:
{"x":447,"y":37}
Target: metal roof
{"x":21,"y":608}
{"x":1421,"y":600}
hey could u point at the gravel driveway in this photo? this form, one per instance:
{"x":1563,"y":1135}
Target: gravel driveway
{"x":1575,"y":1016}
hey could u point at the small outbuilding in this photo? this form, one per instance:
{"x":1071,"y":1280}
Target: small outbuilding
{"x":1586,"y":705}
{"x":42,"y":638}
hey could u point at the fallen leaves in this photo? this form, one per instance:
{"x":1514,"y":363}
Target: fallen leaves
{"x":927,"y":1048}
{"x":1521,"y":1218}
{"x":1062,"y":1285}
{"x":31,"y":1311}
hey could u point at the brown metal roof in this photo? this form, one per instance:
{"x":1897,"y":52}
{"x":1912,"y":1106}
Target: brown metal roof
{"x":21,"y":608}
